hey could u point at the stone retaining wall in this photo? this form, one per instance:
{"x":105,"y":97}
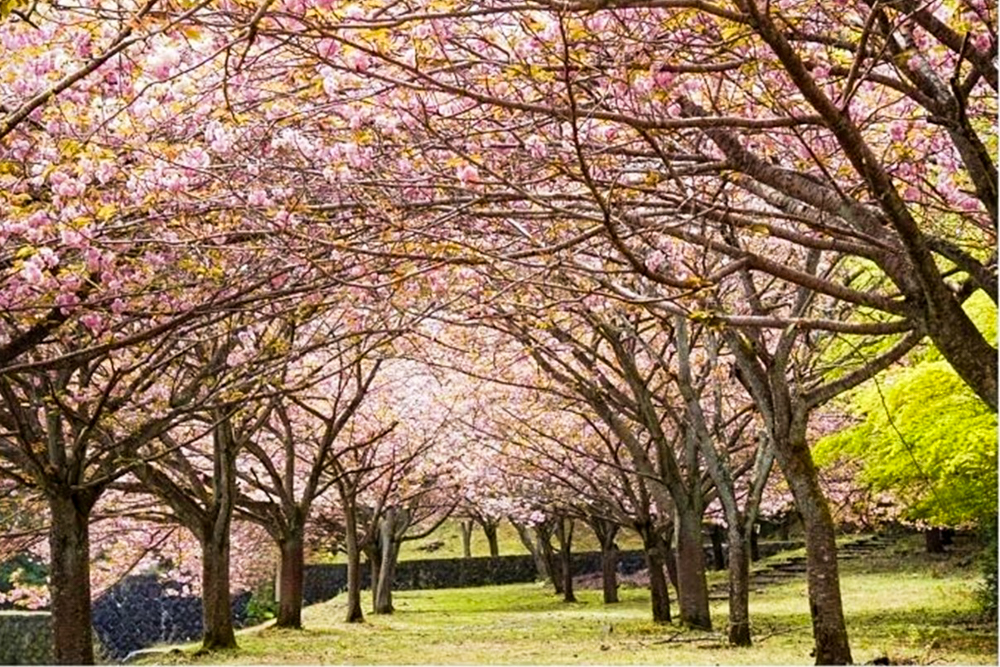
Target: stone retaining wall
{"x":25,"y":638}
{"x":142,"y":611}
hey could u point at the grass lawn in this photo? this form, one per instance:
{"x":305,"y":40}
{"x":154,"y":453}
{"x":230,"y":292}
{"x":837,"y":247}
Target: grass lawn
{"x":446,"y":542}
{"x":904,"y":605}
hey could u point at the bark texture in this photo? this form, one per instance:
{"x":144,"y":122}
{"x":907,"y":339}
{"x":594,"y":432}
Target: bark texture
{"x":739,"y":586}
{"x":387,"y":568}
{"x":69,"y":580}
{"x":216,"y":608}
{"x":609,"y":573}
{"x":693,"y":588}
{"x":490,"y":530}
{"x":291,"y":581}
{"x":354,"y":612}
{"x":826,"y":608}
{"x":659,"y":592}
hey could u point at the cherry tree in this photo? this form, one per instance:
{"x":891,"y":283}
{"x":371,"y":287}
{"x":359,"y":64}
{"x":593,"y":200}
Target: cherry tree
{"x":841,"y":151}
{"x":595,"y":355}
{"x":96,"y":418}
{"x":575,"y":452}
{"x":287,"y":467}
{"x":195,"y":471}
{"x":573,"y":466}
{"x":719,"y":431}
{"x":662,"y":169}
{"x":390,"y":469}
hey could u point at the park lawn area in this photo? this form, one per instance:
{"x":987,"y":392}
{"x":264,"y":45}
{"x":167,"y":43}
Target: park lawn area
{"x":446,"y":542}
{"x":905,"y":605}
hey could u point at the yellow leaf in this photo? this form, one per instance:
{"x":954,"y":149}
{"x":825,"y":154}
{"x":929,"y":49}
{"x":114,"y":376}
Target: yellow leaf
{"x":69,"y":147}
{"x":106,"y":212}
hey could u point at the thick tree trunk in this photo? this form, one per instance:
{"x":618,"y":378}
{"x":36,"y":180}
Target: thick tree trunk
{"x":609,"y":573}
{"x":386,"y":579}
{"x":386,"y":575}
{"x":490,"y":530}
{"x":291,"y":580}
{"x":69,"y":580}
{"x":692,"y":586}
{"x":659,"y":593}
{"x":829,"y":629}
{"x":739,"y":584}
{"x":354,"y":613}
{"x":217,"y":613}
{"x":465,"y":525}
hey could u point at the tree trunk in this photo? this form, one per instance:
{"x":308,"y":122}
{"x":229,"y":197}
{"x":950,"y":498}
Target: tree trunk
{"x":490,"y":529}
{"x":541,"y":565}
{"x":217,"y":614}
{"x":659,"y":593}
{"x":754,"y":546}
{"x":291,"y":578}
{"x":934,"y":541}
{"x":552,"y":564}
{"x":564,"y":533}
{"x":465,"y":525}
{"x":609,"y":573}
{"x":739,"y":584}
{"x":787,"y":417}
{"x":718,"y":554}
{"x":390,"y":551}
{"x":354,"y":613}
{"x":69,"y":580}
{"x":670,"y":559}
{"x":961,"y":343}
{"x":829,"y":629}
{"x":692,"y":587}
{"x":386,"y":579}
{"x":373,"y":551}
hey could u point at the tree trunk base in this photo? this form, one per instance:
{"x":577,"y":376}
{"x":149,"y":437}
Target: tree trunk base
{"x":739,"y":634}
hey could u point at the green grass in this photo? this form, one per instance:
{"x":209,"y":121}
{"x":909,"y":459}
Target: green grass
{"x":450,"y":535}
{"x":906,"y":606}
{"x":447,"y":541}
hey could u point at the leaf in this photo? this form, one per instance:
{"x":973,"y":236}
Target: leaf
{"x":106,"y":212}
{"x":701,"y":316}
